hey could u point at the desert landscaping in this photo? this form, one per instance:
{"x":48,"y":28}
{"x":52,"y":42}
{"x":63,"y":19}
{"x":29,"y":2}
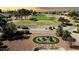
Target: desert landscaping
{"x":36,"y":30}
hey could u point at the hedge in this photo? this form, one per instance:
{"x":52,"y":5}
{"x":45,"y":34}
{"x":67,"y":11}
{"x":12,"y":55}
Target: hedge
{"x":43,"y":42}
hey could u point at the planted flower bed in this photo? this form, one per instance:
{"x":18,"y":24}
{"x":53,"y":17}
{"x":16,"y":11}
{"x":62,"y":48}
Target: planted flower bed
{"x":45,"y":40}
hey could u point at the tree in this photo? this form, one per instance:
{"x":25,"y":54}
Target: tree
{"x":34,"y":12}
{"x":59,"y":31}
{"x":73,"y":13}
{"x":10,"y":12}
{"x":9,"y":28}
{"x":62,"y":19}
{"x":0,"y":10}
{"x":2,"y":20}
{"x":31,"y":12}
{"x":24,"y":12}
{"x":65,"y":34}
{"x":8,"y":31}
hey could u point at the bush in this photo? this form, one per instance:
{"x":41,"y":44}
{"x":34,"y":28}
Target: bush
{"x":77,"y":21}
{"x":6,"y":36}
{"x":74,"y":46}
{"x":1,"y":43}
{"x":67,"y":24}
{"x":25,"y":27}
{"x":65,"y":34}
{"x":75,"y":31}
{"x":50,"y":28}
{"x":62,"y":19}
{"x":23,"y":32}
{"x":3,"y":47}
{"x":26,"y":32}
{"x":59,"y":31}
{"x":34,"y":19}
{"x":51,"y":39}
{"x":37,"y":48}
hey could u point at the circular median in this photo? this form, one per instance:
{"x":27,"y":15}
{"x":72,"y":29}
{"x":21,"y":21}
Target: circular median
{"x":45,"y":40}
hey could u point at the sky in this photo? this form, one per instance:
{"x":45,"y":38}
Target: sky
{"x":41,"y":9}
{"x":16,"y":8}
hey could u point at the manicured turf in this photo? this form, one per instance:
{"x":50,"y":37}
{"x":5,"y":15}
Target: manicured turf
{"x":42,"y":20}
{"x":42,"y":17}
{"x":45,"y":40}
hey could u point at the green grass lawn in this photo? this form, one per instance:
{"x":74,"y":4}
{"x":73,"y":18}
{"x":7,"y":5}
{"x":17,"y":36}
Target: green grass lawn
{"x":42,"y":17}
{"x":42,"y":20}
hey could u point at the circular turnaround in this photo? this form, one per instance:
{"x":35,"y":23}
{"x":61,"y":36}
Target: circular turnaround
{"x":45,"y":40}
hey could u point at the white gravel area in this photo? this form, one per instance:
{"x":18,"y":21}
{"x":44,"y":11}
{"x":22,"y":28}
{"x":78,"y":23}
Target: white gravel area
{"x":74,"y":35}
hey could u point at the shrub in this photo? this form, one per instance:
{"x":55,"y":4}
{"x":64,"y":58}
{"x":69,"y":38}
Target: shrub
{"x":67,"y":24}
{"x":51,"y":39}
{"x":18,"y":34}
{"x":59,"y":31}
{"x":77,"y":21}
{"x":50,"y":28}
{"x":37,"y":48}
{"x":6,"y":36}
{"x":25,"y":27}
{"x":34,"y":19}
{"x":71,"y":39}
{"x":75,"y":31}
{"x":1,"y":43}
{"x":3,"y":47}
{"x":74,"y":46}
{"x":62,"y":19}
{"x":22,"y":32}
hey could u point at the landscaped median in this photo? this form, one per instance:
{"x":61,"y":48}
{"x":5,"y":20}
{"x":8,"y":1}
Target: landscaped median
{"x":45,"y":40}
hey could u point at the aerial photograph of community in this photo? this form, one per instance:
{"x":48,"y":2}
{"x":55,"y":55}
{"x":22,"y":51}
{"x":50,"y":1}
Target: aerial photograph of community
{"x":39,"y":28}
